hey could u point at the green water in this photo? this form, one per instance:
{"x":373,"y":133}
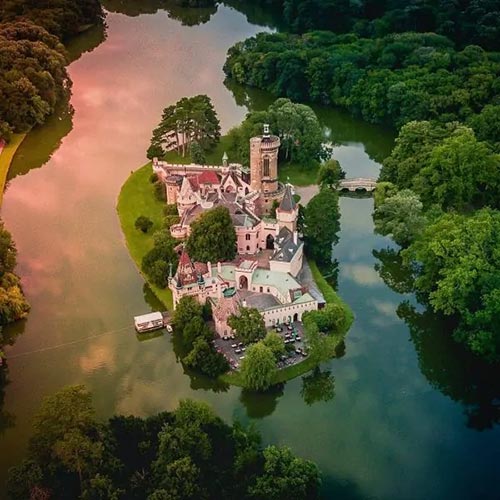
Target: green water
{"x":408,"y":418}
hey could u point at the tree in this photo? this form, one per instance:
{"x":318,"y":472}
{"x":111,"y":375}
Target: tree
{"x":206,"y":359}
{"x":187,"y":309}
{"x":330,"y":173}
{"x":296,"y":125}
{"x":190,"y":120}
{"x":462,"y":172}
{"x":197,"y":154}
{"x":401,"y":217}
{"x":143,"y":223}
{"x":486,"y":124}
{"x":320,"y":233}
{"x":248,"y":324}
{"x":158,"y":262}
{"x":286,"y":476}
{"x":212,"y":237}
{"x":276,"y":343}
{"x":456,"y":264}
{"x":258,"y":367}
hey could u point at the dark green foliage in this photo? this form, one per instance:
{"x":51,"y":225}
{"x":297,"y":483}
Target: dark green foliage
{"x":320,"y":226}
{"x":258,"y":367}
{"x":390,"y":80}
{"x":62,"y":18}
{"x":330,"y":173}
{"x":285,"y":476}
{"x":143,"y":223}
{"x":456,"y":262}
{"x":206,"y":359}
{"x":212,"y":237}
{"x":465,"y":22}
{"x":34,"y":78}
{"x":159,"y":191}
{"x":196,"y":338}
{"x":192,"y":119}
{"x":13,"y":304}
{"x":197,"y":154}
{"x":444,"y":165}
{"x":297,"y":126}
{"x":161,"y":258}
{"x":486,"y":125}
{"x":400,"y":216}
{"x":248,"y":324}
{"x":188,"y":453}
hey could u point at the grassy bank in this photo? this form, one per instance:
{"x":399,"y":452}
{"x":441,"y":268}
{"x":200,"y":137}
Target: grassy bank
{"x":137,"y":198}
{"x":6,"y":157}
{"x":297,"y":174}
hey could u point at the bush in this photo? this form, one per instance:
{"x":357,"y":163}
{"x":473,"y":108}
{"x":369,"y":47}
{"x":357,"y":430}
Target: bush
{"x":143,"y":223}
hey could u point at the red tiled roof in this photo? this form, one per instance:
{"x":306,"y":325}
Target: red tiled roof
{"x":193,"y":180}
{"x":208,"y":177}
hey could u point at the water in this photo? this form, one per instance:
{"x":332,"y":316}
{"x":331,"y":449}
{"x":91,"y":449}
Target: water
{"x":409,"y":417}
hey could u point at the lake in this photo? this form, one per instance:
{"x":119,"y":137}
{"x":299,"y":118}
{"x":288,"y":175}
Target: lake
{"x":410,"y":416}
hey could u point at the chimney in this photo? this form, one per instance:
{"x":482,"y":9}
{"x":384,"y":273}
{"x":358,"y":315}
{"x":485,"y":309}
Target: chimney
{"x":219,"y":267}
{"x":209,"y":267}
{"x":295,"y":237}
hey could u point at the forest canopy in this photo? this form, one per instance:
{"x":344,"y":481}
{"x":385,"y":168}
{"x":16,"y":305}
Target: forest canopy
{"x":390,"y":80}
{"x":187,"y":453}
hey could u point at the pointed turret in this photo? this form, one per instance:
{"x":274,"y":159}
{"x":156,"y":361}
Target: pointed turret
{"x":288,"y":210}
{"x":288,"y":203}
{"x":186,"y":272}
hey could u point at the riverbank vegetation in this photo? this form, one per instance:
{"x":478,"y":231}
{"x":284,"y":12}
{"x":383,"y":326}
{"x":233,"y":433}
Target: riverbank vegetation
{"x":136,"y":199}
{"x":465,"y":22}
{"x":439,"y":200}
{"x":33,"y":59}
{"x":187,"y":453}
{"x":191,"y":125}
{"x":13,"y":304}
{"x":389,"y":81}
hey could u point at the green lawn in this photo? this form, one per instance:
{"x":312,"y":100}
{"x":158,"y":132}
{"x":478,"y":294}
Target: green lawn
{"x":137,"y":198}
{"x":6,"y":157}
{"x":298,"y":175}
{"x":331,"y":296}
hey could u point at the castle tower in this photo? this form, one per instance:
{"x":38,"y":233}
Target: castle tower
{"x":264,"y":162}
{"x":287,"y":213}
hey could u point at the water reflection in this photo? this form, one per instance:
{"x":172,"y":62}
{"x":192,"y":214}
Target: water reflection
{"x":186,"y":16}
{"x":360,"y":147}
{"x":318,"y":386}
{"x":446,"y":365}
{"x":260,"y":405}
{"x":7,"y":419}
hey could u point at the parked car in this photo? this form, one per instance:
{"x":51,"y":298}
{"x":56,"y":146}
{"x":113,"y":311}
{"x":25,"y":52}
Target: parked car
{"x":237,"y":351}
{"x":234,"y":346}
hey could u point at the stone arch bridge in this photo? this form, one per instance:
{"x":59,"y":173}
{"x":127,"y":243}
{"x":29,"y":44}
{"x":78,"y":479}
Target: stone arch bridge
{"x":354,"y":184}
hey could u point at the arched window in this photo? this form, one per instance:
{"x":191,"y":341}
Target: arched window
{"x":266,"y":167}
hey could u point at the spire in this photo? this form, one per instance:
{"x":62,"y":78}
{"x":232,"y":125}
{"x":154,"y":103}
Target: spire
{"x":224,"y":159}
{"x":287,"y":203}
{"x":186,"y":273}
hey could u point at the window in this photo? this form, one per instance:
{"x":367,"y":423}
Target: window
{"x":247,"y":237}
{"x":248,"y":248}
{"x":266,"y":167}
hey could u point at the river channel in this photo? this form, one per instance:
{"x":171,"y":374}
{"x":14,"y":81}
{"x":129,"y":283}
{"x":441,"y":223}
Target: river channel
{"x":408,"y":417}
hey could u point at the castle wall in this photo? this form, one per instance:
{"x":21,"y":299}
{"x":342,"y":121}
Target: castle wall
{"x":286,"y":312}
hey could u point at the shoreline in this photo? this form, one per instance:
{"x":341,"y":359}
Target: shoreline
{"x":136,"y":198}
{"x":7,"y":154}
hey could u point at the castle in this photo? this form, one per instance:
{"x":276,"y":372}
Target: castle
{"x":270,"y":252}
